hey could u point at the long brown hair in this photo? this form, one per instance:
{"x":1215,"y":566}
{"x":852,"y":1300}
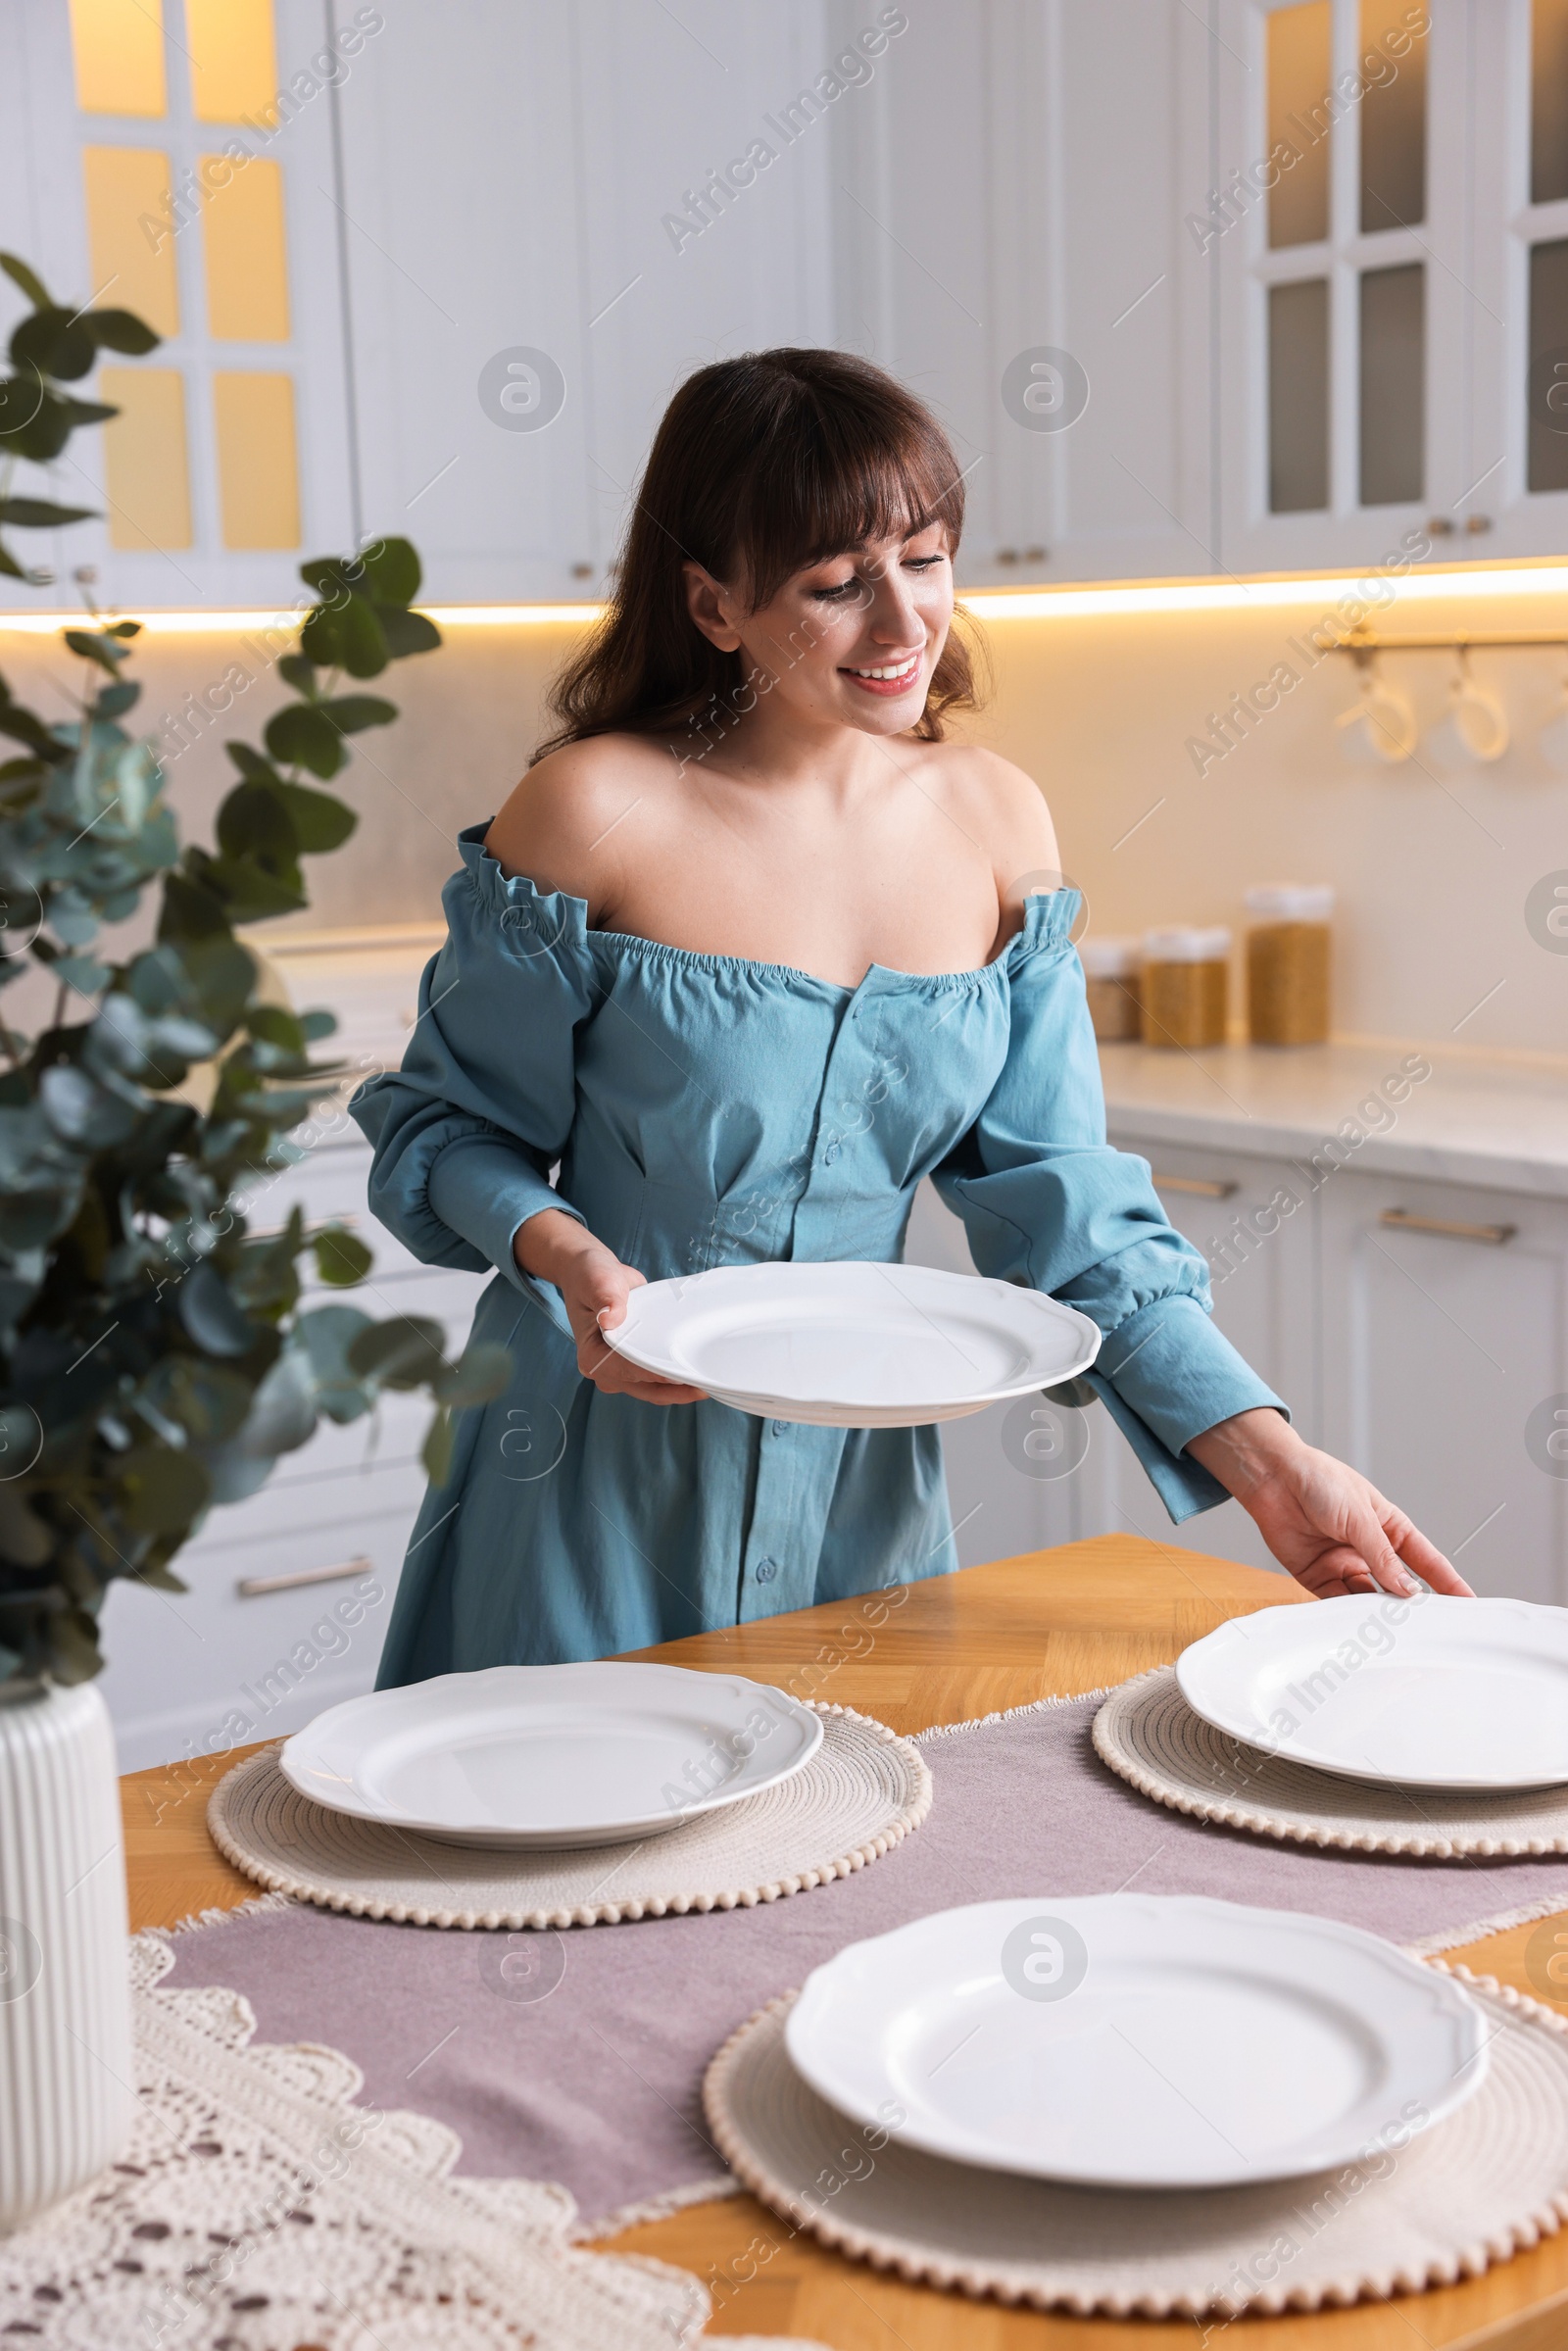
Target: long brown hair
{"x":761,"y":466}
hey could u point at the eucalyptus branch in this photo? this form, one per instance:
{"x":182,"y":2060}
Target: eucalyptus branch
{"x":157,"y":1357}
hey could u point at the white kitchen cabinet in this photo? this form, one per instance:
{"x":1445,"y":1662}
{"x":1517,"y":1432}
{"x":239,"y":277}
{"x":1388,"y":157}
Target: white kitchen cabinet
{"x":1445,"y":1330}
{"x":222,"y":555}
{"x":507,"y":245}
{"x":1262,"y":1253}
{"x":1080,"y":1476}
{"x":1416,"y":1328}
{"x":1395,"y":366}
{"x":1007,"y":1493}
{"x":243,"y":1654}
{"x":1011,"y":192}
{"x":1517,"y":279}
{"x":1346,"y":316}
{"x":522,"y":190}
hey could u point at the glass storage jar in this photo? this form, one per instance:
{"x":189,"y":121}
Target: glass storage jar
{"x":1186,"y":970}
{"x":1288,"y":951}
{"x":1112,"y":975}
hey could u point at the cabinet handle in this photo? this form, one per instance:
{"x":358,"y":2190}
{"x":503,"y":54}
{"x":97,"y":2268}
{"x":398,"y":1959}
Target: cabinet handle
{"x":256,"y":1588}
{"x":1205,"y":1187}
{"x":1493,"y":1235}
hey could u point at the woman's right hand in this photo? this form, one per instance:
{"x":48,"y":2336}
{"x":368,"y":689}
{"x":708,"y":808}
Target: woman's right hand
{"x":595,"y":1285}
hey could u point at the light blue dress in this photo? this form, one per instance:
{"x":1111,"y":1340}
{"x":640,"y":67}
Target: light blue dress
{"x":710,"y":1110}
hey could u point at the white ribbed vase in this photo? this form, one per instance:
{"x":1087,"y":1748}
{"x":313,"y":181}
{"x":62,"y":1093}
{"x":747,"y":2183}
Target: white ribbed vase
{"x":65,"y":1989}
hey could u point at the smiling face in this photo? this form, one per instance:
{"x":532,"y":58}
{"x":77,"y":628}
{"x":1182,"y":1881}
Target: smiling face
{"x":850,"y":641}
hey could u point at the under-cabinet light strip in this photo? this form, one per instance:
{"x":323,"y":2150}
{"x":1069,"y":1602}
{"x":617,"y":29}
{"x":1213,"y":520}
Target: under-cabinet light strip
{"x":1111,"y":597}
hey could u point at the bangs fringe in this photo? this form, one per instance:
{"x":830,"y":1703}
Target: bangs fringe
{"x":762,"y":466}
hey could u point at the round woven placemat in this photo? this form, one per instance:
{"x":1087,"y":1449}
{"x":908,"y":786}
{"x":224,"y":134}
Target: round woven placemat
{"x":860,"y":1794}
{"x":1471,"y":2191}
{"x":1147,"y":1732}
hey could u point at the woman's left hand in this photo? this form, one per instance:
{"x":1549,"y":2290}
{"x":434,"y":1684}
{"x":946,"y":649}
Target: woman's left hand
{"x":1321,"y":1519}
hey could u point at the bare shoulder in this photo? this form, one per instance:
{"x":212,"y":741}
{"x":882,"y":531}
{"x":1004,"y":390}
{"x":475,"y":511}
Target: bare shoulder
{"x":555,"y":826}
{"x":1006,"y":811}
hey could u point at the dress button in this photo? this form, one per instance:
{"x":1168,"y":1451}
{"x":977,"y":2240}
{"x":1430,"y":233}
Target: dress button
{"x":766,"y":1570}
{"x":779,"y":1427}
{"x":830,"y":1154}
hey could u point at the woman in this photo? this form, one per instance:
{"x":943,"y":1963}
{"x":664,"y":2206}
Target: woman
{"x":750,"y":953}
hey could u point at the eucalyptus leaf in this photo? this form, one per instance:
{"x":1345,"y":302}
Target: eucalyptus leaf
{"x":481,"y":1373}
{"x":21,"y":276}
{"x":84,"y":973}
{"x":166,"y":1489}
{"x":405,"y":1352}
{"x":212,"y":1314}
{"x":320,"y":820}
{"x":342,"y":1259}
{"x":327,"y":1334}
{"x":347,"y":635}
{"x":38,"y":513}
{"x":302,"y":735}
{"x":120,"y":331}
{"x":35,"y":422}
{"x":436,"y":1452}
{"x":351,"y":714}
{"x":406,"y":633}
{"x":25,"y":1540}
{"x":95,"y":645}
{"x":55,"y":342}
{"x":392,"y":568}
{"x":82,"y":1111}
{"x":251,"y":764}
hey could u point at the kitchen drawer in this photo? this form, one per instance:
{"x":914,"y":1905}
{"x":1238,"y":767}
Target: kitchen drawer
{"x":1445,"y":1336}
{"x":221,"y":1664}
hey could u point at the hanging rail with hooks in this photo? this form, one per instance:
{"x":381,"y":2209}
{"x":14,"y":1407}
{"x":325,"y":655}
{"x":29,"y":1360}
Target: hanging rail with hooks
{"x":1363,"y":647}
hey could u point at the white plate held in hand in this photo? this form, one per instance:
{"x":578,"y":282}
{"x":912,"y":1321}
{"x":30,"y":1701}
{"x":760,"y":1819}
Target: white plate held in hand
{"x":1138,"y":2040}
{"x":854,"y":1345}
{"x":541,"y":1755}
{"x":1429,"y":1692}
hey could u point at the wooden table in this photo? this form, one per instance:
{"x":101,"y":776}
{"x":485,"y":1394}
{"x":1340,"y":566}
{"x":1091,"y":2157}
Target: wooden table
{"x":1076,"y":1617}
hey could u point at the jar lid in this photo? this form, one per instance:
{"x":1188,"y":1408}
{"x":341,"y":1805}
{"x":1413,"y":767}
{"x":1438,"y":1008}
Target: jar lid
{"x":1109,"y":959}
{"x":1291,"y":902}
{"x":1184,"y":943}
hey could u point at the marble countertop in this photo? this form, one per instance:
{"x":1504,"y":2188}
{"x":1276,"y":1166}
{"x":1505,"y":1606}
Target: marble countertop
{"x":1477,"y":1118}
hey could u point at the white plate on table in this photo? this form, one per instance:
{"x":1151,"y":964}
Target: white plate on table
{"x":551,"y":1755}
{"x":1431,"y":1693}
{"x":1158,"y":2042}
{"x":854,"y":1345}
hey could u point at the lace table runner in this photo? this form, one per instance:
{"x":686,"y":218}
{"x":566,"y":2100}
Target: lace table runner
{"x":260,"y":2206}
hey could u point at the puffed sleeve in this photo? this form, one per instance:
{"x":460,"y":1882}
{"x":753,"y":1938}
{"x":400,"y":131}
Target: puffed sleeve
{"x":466,"y":1132}
{"x":1047,"y":1201}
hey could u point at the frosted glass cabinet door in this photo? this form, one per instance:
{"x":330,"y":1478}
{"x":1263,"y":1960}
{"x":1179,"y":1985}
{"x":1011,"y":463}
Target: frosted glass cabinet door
{"x":1445,"y":1341}
{"x":208,"y":204}
{"x":1521,"y":265}
{"x":1336,"y":236}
